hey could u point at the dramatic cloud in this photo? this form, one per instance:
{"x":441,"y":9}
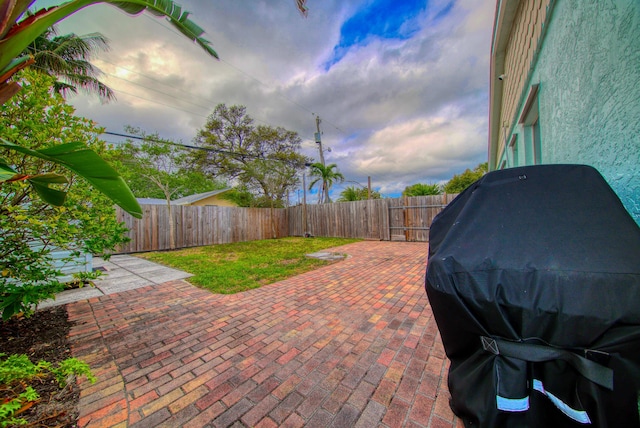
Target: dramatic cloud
{"x":401,"y":87}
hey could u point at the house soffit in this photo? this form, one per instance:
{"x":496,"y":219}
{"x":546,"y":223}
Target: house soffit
{"x":503,"y":24}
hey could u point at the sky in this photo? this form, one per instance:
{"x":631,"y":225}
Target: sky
{"x":401,"y":87}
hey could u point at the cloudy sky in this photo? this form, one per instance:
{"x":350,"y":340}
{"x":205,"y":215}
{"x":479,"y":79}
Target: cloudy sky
{"x":401,"y":86}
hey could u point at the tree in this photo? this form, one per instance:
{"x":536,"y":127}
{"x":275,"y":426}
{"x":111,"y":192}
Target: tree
{"x":352,"y":193}
{"x":156,"y":168}
{"x":67,"y":57}
{"x":85,"y":221}
{"x":242,"y":197}
{"x":459,"y":182}
{"x":263,"y":160}
{"x":159,"y":168}
{"x":422,"y":189}
{"x":326,"y":177}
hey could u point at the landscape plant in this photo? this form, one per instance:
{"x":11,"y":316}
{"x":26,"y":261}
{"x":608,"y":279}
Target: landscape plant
{"x":352,"y":193}
{"x":38,"y":119}
{"x":17,"y":372}
{"x":459,"y":182}
{"x":422,"y":189}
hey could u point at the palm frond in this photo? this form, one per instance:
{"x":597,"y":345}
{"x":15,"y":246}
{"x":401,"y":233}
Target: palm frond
{"x":19,"y":35}
{"x":179,"y":19}
{"x":10,"y":12}
{"x":88,"y":85}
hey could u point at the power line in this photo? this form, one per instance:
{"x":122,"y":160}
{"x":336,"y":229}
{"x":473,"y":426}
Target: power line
{"x":188,"y":146}
{"x":158,"y":102}
{"x":185,"y":146}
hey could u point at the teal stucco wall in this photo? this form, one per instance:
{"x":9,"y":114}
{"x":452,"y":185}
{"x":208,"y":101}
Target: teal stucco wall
{"x":588,"y":69}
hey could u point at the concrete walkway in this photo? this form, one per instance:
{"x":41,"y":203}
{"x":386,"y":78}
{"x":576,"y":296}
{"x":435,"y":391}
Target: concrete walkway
{"x":121,"y":273}
{"x":350,"y":344}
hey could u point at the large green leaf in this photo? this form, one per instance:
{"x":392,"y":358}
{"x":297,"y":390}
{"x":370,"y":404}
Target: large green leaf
{"x":6,"y":172}
{"x":10,"y":11}
{"x":27,"y":30}
{"x":40,"y":184}
{"x":89,"y":165}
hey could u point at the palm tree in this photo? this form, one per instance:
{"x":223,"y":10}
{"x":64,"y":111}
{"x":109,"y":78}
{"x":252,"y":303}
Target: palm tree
{"x":67,"y":58}
{"x":326,"y":176}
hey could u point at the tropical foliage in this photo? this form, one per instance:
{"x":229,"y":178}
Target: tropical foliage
{"x":422,"y":189}
{"x":18,"y":373}
{"x":158,"y":168}
{"x":352,"y":193}
{"x":17,"y":31}
{"x":40,"y":121}
{"x":325,"y":176}
{"x":68,"y":58}
{"x":263,"y":160}
{"x":459,"y":182}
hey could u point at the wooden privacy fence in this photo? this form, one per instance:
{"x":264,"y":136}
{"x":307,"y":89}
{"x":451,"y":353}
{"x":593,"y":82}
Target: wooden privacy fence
{"x":400,"y":219}
{"x":196,"y":226}
{"x":406,"y":219}
{"x":360,"y":219}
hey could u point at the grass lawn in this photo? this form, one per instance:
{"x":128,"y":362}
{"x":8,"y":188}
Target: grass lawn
{"x":232,"y":268}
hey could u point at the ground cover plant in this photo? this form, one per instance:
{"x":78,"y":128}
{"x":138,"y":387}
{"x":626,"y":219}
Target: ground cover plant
{"x":241,"y":266}
{"x":43,"y":336}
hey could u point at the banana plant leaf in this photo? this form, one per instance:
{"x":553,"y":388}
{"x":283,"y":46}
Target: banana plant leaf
{"x":21,"y":34}
{"x":40,"y":184}
{"x":6,"y":172}
{"x":84,"y":162}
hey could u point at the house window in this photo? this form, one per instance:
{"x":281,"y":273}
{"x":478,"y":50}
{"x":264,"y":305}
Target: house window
{"x":535,"y":137}
{"x":513,"y":150}
{"x":530,"y":120}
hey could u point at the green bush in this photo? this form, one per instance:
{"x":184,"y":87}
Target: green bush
{"x":38,"y":119}
{"x":17,"y":372}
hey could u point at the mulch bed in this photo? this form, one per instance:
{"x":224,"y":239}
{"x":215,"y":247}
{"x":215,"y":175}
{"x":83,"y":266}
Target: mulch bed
{"x":44,"y":336}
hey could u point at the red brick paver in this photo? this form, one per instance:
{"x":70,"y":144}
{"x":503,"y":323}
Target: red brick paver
{"x":350,"y":344}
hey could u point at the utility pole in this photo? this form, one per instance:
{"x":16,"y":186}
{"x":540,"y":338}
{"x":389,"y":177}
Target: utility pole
{"x":304,"y":205}
{"x":319,"y":140}
{"x":325,"y":189}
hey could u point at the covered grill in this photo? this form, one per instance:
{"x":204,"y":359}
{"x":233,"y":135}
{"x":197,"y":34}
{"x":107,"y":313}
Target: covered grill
{"x":534,"y":281}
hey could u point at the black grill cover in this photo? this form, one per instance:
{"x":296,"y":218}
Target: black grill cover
{"x":534,"y":281}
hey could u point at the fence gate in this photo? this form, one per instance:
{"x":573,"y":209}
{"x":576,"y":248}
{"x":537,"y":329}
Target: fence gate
{"x":410,"y":218}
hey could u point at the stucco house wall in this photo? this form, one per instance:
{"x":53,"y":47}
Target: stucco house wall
{"x":583,"y":81}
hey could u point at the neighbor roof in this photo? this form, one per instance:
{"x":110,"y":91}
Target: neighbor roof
{"x":152,"y":201}
{"x":198,"y":197}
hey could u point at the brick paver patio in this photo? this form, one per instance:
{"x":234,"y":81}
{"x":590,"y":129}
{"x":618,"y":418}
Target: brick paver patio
{"x":351,"y":344}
